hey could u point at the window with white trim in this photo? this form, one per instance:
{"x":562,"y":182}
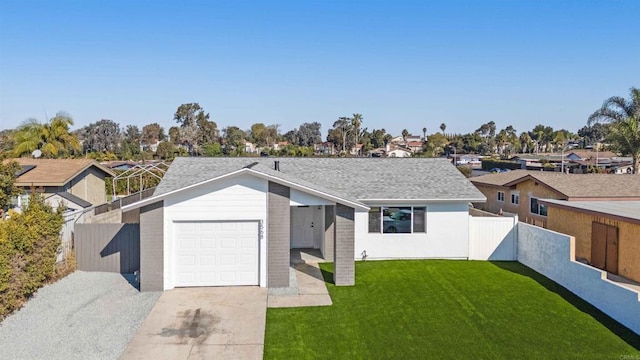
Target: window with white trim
{"x":399,"y":219}
{"x":537,"y":208}
{"x":501,"y":196}
{"x":515,"y":198}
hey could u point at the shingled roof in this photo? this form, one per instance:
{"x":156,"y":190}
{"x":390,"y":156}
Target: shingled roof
{"x":582,"y":186}
{"x":53,"y":172}
{"x":364,"y":179}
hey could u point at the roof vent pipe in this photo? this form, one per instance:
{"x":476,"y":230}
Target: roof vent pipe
{"x":276,"y":165}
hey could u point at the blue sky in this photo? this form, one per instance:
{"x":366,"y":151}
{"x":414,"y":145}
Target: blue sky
{"x":402,"y":64}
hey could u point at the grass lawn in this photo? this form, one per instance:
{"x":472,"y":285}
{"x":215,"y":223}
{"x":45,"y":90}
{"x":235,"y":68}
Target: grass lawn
{"x":447,"y":309}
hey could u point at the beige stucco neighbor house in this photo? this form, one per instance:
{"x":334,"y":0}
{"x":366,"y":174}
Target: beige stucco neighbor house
{"x":518,"y":191}
{"x":606,"y":232}
{"x":83,"y":179}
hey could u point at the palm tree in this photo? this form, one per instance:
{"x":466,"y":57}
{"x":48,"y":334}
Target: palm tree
{"x":52,"y":138}
{"x":624,"y":117}
{"x":424,"y":133}
{"x":443,"y":126}
{"x":405,"y":133}
{"x":356,"y":122}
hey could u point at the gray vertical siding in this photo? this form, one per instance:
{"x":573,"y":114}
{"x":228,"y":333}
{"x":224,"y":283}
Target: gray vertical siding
{"x":152,"y":247}
{"x":107,"y":247}
{"x":329,"y":232}
{"x":344,"y":265}
{"x":278,"y":236}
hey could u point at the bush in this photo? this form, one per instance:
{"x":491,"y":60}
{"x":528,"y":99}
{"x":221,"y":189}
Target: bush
{"x":28,"y":251}
{"x":465,"y":170}
{"x":488,"y":164}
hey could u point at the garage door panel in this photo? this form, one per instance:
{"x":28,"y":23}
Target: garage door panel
{"x":217,"y":253}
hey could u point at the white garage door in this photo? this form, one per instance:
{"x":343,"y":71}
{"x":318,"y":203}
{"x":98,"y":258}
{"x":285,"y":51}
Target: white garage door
{"x":216,"y":253}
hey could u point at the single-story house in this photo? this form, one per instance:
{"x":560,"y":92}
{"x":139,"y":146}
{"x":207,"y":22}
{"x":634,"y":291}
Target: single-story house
{"x":518,"y":191}
{"x":606,"y":232}
{"x":234,"y":221}
{"x":82,"y":178}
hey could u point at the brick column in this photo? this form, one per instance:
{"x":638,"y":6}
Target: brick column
{"x":344,"y":265}
{"x":278,"y":236}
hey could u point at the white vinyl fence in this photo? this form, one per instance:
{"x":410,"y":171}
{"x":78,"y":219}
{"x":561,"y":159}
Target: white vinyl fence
{"x":493,"y":238}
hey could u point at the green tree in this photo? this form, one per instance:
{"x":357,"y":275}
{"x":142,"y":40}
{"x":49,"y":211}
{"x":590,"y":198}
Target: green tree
{"x":624,"y":117}
{"x":52,"y":138}
{"x":165,"y":150}
{"x":356,"y":122}
{"x":193,"y":120}
{"x":8,"y":189}
{"x":405,"y":134}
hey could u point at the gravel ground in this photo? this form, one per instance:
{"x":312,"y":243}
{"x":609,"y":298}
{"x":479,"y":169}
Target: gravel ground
{"x":86,"y":315}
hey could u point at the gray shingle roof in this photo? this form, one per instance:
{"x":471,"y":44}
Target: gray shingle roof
{"x":354,"y":178}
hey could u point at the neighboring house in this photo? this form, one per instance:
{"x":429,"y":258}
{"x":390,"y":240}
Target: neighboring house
{"x":606,"y":232}
{"x":518,"y":191}
{"x":120,"y":165}
{"x":70,"y":201}
{"x":233,"y":221}
{"x":397,"y":152}
{"x":415,"y":146}
{"x":82,"y":178}
{"x":324,"y":148}
{"x":590,"y":155}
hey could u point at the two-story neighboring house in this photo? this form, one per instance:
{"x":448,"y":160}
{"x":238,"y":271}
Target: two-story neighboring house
{"x":77,"y":182}
{"x":519,"y":191}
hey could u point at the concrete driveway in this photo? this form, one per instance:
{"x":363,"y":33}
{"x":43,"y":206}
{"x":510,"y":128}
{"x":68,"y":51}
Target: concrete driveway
{"x":203,"y":323}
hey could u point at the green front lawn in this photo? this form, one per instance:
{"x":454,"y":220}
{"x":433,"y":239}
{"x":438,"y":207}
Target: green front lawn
{"x":447,"y":309}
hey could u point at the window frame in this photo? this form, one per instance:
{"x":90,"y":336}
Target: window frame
{"x":380,"y":211}
{"x":516,"y":195}
{"x":503,"y":197}
{"x":538,"y":207}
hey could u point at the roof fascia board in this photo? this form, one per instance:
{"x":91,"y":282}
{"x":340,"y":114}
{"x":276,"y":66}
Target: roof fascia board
{"x":421,"y":201}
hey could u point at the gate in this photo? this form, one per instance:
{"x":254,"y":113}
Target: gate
{"x":107,"y":247}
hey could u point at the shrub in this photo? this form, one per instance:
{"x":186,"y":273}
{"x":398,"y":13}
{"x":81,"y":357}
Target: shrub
{"x":28,"y":247}
{"x":488,"y":164}
{"x":465,"y":170}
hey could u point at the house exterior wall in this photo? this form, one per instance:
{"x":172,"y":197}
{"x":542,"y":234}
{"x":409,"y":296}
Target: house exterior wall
{"x":447,"y":235}
{"x":240,"y":198}
{"x":578,"y":225}
{"x":526,"y":190}
{"x":344,"y":266}
{"x":89,"y":185}
{"x":152,"y":269}
{"x":278,"y":228}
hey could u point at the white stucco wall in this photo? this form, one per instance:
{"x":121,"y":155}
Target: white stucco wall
{"x":238,"y":198}
{"x":447,"y":236}
{"x":551,"y":253}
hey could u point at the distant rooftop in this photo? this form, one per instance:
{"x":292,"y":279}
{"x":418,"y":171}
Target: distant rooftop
{"x":629,"y":210}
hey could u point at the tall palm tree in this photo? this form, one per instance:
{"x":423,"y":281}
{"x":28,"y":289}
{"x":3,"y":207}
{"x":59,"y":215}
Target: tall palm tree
{"x":405,"y":133}
{"x":443,"y":126}
{"x":424,"y":133}
{"x":52,"y":138}
{"x":624,"y":117}
{"x":356,"y":122}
